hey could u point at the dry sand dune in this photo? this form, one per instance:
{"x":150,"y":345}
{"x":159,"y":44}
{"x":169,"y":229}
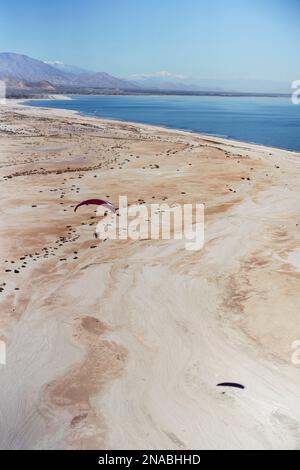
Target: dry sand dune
{"x":121,"y":344}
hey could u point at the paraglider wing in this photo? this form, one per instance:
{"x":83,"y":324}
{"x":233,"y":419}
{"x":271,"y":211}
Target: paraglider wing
{"x":231,"y":384}
{"x":96,"y":202}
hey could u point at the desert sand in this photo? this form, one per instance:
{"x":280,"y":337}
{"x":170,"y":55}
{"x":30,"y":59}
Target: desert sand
{"x":120,"y":344}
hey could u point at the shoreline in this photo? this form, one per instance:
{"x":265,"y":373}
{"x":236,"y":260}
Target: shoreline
{"x":122,"y":344}
{"x":212,"y":138}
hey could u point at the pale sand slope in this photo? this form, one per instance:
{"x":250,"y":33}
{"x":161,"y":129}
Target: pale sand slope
{"x":122,"y":345}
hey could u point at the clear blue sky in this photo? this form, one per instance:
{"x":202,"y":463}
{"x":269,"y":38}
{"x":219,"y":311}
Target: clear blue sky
{"x":250,"y":39}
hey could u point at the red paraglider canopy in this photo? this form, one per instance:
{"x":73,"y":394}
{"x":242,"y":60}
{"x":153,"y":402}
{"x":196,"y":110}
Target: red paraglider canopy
{"x":96,"y":202}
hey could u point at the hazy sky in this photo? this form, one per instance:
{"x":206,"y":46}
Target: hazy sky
{"x":249,"y":39}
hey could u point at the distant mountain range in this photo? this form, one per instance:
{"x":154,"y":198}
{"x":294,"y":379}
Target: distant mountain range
{"x":21,"y":73}
{"x":218,"y":86}
{"x":21,"y":68}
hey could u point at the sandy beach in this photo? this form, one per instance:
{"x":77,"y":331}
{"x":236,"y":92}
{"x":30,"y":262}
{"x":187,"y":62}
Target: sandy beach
{"x":120,"y":344}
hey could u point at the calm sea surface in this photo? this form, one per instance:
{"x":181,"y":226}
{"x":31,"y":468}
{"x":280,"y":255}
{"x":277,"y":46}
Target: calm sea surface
{"x":274,"y":122}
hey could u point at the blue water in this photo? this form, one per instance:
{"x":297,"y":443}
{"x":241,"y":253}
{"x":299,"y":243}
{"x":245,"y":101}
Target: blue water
{"x":274,"y":122}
